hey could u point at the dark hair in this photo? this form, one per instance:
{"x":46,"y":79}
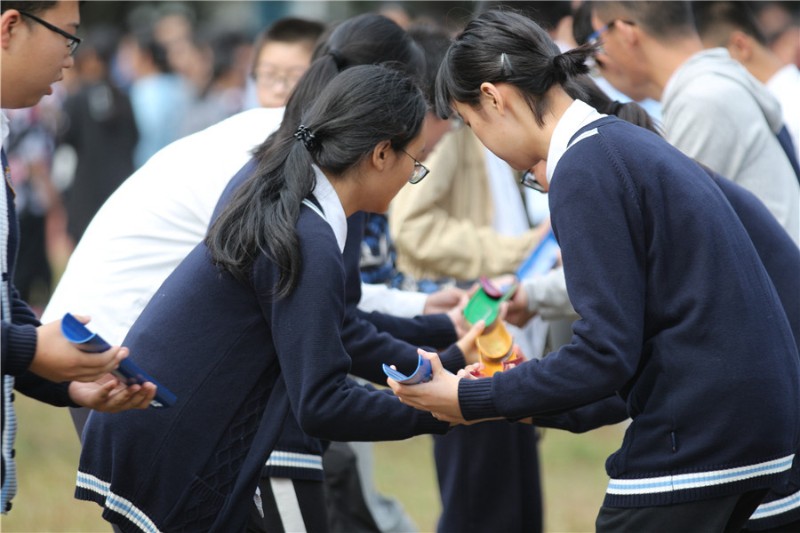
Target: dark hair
{"x":359,"y":108}
{"x":582,"y":22}
{"x":434,"y":41}
{"x":101,"y":40}
{"x":627,"y":111}
{"x":716,"y":20}
{"x":29,"y":7}
{"x":366,"y":39}
{"x":664,"y":20}
{"x":149,"y":45}
{"x":506,"y":47}
{"x":291,"y":30}
{"x":547,"y":13}
{"x":225,"y":46}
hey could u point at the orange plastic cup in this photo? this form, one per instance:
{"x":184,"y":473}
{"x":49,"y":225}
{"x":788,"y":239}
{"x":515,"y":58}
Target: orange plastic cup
{"x":495,"y":347}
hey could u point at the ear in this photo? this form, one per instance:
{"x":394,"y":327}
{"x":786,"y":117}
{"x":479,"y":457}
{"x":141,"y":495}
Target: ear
{"x":740,"y":46}
{"x":8,"y":21}
{"x":492,"y":97}
{"x":630,"y":33}
{"x":380,"y":155}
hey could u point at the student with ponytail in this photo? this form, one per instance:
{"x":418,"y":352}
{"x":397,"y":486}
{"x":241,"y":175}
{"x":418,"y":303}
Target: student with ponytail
{"x":664,"y":276}
{"x":249,"y":323}
{"x":139,"y":236}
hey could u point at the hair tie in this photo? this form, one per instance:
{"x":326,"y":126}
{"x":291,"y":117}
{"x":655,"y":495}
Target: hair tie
{"x":337,"y":58}
{"x":306,"y":136}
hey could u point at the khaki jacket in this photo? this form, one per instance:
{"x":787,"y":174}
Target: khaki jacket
{"x":442,"y":226}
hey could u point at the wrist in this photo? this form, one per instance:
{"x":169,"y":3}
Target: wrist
{"x":21,"y":345}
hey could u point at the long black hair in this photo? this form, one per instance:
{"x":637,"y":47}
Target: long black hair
{"x":502,"y":46}
{"x":359,"y":108}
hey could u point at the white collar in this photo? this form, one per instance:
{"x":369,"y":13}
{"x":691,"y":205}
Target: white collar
{"x":332,"y":210}
{"x":5,"y":128}
{"x":577,"y":115}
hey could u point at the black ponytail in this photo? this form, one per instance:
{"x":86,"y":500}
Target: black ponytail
{"x":589,"y":92}
{"x":360,"y":108}
{"x":501,"y":46}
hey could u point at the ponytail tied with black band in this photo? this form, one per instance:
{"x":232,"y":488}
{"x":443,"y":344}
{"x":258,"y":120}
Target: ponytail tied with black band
{"x":306,"y":136}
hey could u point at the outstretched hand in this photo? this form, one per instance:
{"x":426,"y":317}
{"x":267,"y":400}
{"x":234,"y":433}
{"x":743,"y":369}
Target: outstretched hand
{"x":467,"y":343}
{"x":445,"y":300}
{"x":438,"y":396}
{"x":56,"y":359}
{"x":109,"y":395}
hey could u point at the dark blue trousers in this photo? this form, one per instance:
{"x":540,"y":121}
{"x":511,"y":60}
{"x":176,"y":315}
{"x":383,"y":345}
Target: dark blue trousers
{"x":489,"y":478}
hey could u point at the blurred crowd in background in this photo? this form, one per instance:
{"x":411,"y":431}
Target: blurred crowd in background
{"x":146,"y":74}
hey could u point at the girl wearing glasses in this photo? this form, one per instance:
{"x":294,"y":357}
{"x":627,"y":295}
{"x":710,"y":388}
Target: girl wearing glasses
{"x":663,"y":275}
{"x":250,"y":323}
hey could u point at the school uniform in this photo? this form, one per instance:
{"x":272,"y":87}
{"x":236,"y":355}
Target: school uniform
{"x":679,"y":318}
{"x":19,"y":337}
{"x":371,"y":339}
{"x":781,"y":259}
{"x":236,"y":358}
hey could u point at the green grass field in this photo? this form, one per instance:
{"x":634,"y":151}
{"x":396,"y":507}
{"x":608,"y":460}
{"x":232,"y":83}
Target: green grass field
{"x":573,"y":477}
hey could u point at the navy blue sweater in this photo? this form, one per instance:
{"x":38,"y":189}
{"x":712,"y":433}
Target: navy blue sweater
{"x":679,"y":318}
{"x":233,"y":355}
{"x":370,"y":339}
{"x":17,"y":348}
{"x":781,"y":258}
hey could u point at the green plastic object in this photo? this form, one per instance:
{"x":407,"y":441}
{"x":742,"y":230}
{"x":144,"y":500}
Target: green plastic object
{"x":484,"y":307}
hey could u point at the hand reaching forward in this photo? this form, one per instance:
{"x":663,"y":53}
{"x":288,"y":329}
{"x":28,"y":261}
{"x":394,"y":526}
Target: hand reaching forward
{"x":56,"y":359}
{"x":109,"y":395}
{"x":439,"y":395}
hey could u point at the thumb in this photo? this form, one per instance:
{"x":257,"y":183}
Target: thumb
{"x":433,"y":357}
{"x":475,"y":331}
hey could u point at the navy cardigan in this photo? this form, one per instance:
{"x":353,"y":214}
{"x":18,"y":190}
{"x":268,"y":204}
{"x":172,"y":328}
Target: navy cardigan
{"x":370,"y":339}
{"x":233,"y":355}
{"x":781,"y":258}
{"x":679,"y":318}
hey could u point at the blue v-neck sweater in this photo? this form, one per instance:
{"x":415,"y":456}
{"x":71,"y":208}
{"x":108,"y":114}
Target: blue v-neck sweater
{"x":679,"y":318}
{"x":237,"y":359}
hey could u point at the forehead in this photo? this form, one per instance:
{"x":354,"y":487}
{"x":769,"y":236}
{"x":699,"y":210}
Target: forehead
{"x":65,"y":13}
{"x":285,"y":54}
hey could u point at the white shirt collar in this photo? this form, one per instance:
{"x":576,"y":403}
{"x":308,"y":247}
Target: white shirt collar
{"x":332,"y":207}
{"x":577,"y":115}
{"x":5,"y":128}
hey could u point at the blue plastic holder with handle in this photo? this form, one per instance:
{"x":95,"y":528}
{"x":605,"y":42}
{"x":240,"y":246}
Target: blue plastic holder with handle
{"x":128,"y":372}
{"x":421,"y":374}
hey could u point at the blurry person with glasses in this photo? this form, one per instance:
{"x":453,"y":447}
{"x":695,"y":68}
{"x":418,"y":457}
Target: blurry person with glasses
{"x":36,"y":359}
{"x":282,"y":55}
{"x":603,"y":69}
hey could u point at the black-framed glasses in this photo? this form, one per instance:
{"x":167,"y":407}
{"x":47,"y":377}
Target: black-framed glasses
{"x":269,"y":77}
{"x":420,"y":170}
{"x":529,"y":181}
{"x":73,"y":41}
{"x":594,"y":37}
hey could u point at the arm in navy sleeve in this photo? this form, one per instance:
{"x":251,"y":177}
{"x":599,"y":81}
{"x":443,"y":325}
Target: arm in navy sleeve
{"x":307,"y":335}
